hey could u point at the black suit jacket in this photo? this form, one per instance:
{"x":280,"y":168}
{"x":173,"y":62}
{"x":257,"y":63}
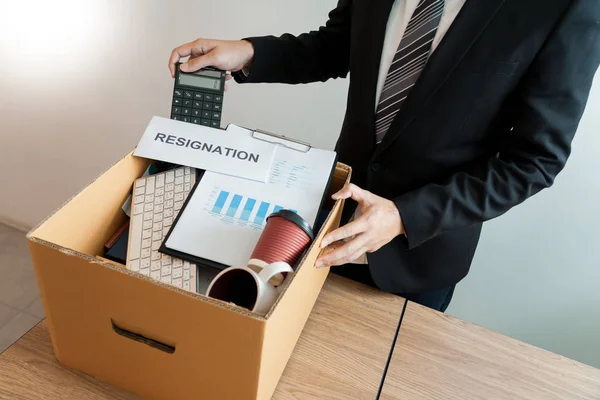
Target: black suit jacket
{"x":489,"y":123}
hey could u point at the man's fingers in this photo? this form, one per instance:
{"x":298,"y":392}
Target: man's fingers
{"x":352,"y":191}
{"x":177,"y":53}
{"x":347,"y":231}
{"x":344,"y":254}
{"x":197,"y":63}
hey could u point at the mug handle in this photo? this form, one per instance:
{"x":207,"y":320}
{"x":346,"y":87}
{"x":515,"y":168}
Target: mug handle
{"x":273,"y":269}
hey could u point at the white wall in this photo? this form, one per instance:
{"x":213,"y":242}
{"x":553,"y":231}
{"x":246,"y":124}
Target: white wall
{"x":79,"y":81}
{"x":536,"y":273}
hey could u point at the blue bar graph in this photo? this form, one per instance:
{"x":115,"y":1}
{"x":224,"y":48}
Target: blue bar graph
{"x":277,"y":208}
{"x":262,"y":213}
{"x":220,"y":202}
{"x":248,"y":209}
{"x":233,"y":207}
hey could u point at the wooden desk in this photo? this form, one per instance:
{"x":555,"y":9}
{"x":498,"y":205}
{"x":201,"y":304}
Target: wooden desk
{"x":440,"y":357}
{"x":341,"y":354}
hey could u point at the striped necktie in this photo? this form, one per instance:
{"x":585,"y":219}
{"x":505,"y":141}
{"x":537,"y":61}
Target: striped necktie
{"x":408,"y":63}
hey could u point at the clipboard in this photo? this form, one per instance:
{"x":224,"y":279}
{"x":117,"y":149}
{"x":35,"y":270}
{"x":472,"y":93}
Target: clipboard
{"x":285,"y":142}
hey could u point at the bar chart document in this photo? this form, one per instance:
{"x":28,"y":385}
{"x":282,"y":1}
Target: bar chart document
{"x":225,"y":215}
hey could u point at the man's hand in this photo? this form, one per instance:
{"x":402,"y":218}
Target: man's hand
{"x":379,"y":223}
{"x":226,"y":55}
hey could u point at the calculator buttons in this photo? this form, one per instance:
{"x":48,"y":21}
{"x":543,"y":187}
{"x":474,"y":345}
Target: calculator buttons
{"x":186,"y":111}
{"x":185,"y":119}
{"x":219,"y":99}
{"x":187,"y":94}
{"x":198,"y":95}
{"x":208,"y":106}
{"x":214,"y":124}
{"x":176,"y":110}
{"x":216,"y":115}
{"x":175,"y":117}
{"x":206,"y":122}
{"x":197,"y":104}
{"x":196,"y":121}
{"x":206,"y":114}
{"x":176,"y":101}
{"x":208,"y":97}
{"x":187,"y":103}
{"x":217,"y":107}
{"x":196,"y":113}
{"x":178,"y":93}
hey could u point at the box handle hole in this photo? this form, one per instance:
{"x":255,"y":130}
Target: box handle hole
{"x":142,"y":339}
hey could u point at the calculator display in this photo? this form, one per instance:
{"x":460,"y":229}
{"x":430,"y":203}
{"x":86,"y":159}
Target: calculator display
{"x":199,"y":81}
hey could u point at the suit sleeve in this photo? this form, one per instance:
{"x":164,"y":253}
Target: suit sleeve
{"x":547,"y":108}
{"x":310,"y":57}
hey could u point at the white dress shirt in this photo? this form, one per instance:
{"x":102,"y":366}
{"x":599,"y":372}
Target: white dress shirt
{"x":400,"y":14}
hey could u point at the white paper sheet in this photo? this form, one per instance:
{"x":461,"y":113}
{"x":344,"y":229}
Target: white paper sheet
{"x":226,"y":215}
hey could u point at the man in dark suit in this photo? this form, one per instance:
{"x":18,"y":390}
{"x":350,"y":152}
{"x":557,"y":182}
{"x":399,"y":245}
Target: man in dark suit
{"x":458,"y":110}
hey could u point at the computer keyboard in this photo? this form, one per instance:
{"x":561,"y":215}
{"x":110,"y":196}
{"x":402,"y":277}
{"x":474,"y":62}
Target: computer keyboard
{"x":156,"y":201}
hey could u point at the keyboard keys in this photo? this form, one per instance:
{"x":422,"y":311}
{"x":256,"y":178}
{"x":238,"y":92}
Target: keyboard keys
{"x":179,"y":180}
{"x":149,"y":198}
{"x":186,"y":188}
{"x":159,"y":192}
{"x":177,"y":282}
{"x":168,"y":220}
{"x":187,"y":179}
{"x":145,"y":271}
{"x":155,"y":266}
{"x":157,"y":226}
{"x":134,"y":265}
{"x":186,"y":285}
{"x":169,"y":188}
{"x":150,"y":185}
{"x":138,"y":209}
{"x":179,"y":172}
{"x":166,"y":279}
{"x":177,"y":272}
{"x":146,"y":243}
{"x":178,"y":205}
{"x":148,"y":224}
{"x":186,"y":274}
{"x":178,"y":190}
{"x":169,"y":203}
{"x":160,"y":181}
{"x":138,"y":199}
{"x":158,"y":217}
{"x":155,"y":256}
{"x":169,"y":176}
{"x":146,"y":234}
{"x":146,"y":253}
{"x":155,"y":275}
{"x":158,"y":200}
{"x":168,"y":213}
{"x":148,"y":207}
{"x":166,"y":270}
{"x":158,"y":208}
{"x":157,"y":235}
{"x":147,"y":216}
{"x":145,"y":263}
{"x":177,"y":263}
{"x":140,"y":190}
{"x":156,"y":245}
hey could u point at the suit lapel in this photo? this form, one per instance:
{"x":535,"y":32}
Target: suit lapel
{"x":466,"y":29}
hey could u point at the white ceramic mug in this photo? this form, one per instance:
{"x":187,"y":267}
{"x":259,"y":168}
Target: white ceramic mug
{"x":247,"y":288}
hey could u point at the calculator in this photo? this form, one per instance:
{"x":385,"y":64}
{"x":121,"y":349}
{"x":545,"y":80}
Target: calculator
{"x":198,"y":96}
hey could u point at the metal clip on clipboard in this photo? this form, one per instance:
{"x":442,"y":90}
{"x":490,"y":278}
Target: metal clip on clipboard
{"x":281,"y":140}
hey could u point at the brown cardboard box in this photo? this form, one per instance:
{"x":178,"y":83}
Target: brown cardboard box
{"x":150,"y":338}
